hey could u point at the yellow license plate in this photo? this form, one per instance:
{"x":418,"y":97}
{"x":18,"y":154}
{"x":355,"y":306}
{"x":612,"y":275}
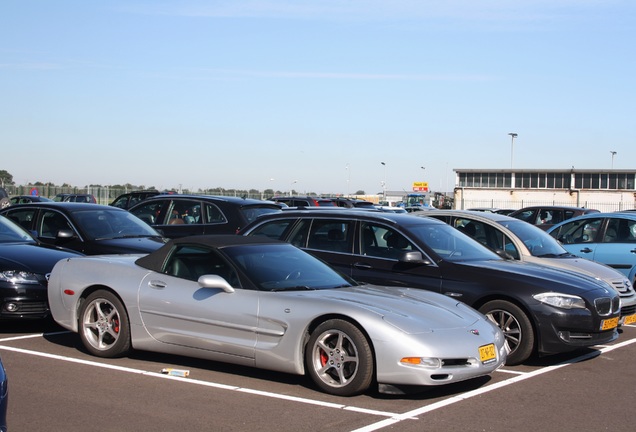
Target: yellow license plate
{"x":629,"y":319}
{"x":609,"y":324}
{"x":487,"y":352}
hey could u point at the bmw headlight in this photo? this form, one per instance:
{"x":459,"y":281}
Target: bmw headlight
{"x":18,"y":277}
{"x":563,"y":301}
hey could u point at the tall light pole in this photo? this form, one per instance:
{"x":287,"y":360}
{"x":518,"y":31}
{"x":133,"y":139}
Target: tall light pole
{"x":384,"y":182}
{"x":613,"y":154}
{"x":348,"y":178}
{"x":291,"y":187}
{"x":512,"y":146}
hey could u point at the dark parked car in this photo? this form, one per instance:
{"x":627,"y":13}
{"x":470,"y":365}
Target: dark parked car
{"x":303,"y":201}
{"x":525,"y":242}
{"x":539,"y":309}
{"x":127,"y":200}
{"x":608,"y":238}
{"x":546,"y":216}
{"x":185,"y":215}
{"x":80,"y":198}
{"x":353,"y":203}
{"x":25,"y":199}
{"x":4,"y":398}
{"x":88,"y":228}
{"x":25,"y":265}
{"x":4,"y":198}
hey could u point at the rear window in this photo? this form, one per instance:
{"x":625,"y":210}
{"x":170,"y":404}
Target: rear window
{"x":250,"y":213}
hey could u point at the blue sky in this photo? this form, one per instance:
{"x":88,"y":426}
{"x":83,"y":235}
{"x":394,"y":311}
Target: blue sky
{"x":312,"y":95}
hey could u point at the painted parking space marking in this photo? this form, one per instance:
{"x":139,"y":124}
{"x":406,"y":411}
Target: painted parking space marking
{"x":390,"y":417}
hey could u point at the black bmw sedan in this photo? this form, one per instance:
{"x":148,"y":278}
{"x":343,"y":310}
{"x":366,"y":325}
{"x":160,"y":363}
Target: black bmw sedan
{"x":24,"y":268}
{"x":540,"y":310}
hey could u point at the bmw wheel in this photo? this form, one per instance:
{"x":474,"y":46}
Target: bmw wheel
{"x":103,"y":325}
{"x":516,"y":327}
{"x":339,"y":358}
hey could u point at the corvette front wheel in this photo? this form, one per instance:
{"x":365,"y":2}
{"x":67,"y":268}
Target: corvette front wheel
{"x":339,"y":358}
{"x":103,"y":325}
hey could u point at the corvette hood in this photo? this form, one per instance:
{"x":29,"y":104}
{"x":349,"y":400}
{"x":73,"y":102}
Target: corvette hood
{"x":412,"y":310}
{"x":31,"y":257}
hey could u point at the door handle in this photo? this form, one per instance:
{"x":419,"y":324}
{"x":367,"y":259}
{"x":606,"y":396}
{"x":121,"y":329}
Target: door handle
{"x":586,"y":250}
{"x":453,"y":294}
{"x":157,"y":284}
{"x":363,"y":266}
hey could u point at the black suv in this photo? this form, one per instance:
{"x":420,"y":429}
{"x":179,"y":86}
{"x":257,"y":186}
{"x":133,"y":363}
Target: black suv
{"x":127,"y":200}
{"x":4,"y":198}
{"x":185,"y":215}
{"x":539,"y":309}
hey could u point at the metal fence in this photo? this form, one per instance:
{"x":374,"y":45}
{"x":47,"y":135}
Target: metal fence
{"x":515,"y":205}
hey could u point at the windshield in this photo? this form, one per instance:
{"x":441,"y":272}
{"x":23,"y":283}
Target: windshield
{"x":252,"y":212}
{"x":111,"y":224}
{"x":451,"y":244}
{"x":11,"y":232}
{"x":284,"y":267}
{"x":538,"y":242}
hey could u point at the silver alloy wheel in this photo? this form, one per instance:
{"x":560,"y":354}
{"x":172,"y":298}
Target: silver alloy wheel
{"x":509,"y":325}
{"x":335,"y":358}
{"x":101,"y":324}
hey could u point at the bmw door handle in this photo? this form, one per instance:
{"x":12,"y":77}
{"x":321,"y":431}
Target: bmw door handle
{"x":586,"y":250}
{"x":363,"y":266}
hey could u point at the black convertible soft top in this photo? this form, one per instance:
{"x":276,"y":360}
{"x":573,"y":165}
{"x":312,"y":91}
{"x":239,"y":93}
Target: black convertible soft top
{"x":155,"y":260}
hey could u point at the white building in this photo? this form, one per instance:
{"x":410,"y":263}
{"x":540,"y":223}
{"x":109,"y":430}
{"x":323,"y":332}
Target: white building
{"x":604,"y":190}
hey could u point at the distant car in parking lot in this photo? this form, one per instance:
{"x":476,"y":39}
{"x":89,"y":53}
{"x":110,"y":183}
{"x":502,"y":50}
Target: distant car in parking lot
{"x":492,"y":210}
{"x":81,"y":198}
{"x":525,"y":242}
{"x":352,"y":203}
{"x":88,"y":228}
{"x":540,"y":309}
{"x":546,"y":216}
{"x":129,"y":199}
{"x":186,"y":215}
{"x":608,"y":238}
{"x":303,"y":201}
{"x":25,"y":199}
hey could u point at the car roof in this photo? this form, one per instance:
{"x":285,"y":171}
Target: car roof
{"x":156,"y":259}
{"x":495,"y":217}
{"x":218,"y":198}
{"x":556,"y":207}
{"x":65,"y":205}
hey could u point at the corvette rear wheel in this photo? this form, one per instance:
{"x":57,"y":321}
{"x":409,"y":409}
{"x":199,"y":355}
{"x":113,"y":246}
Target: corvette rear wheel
{"x":516,"y":327}
{"x":339,"y":358}
{"x":103,"y":325}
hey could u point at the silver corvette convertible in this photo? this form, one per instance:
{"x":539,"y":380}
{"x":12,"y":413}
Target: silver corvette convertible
{"x":267,"y":304}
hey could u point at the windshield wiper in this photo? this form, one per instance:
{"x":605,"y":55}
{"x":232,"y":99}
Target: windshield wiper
{"x":294,"y":288}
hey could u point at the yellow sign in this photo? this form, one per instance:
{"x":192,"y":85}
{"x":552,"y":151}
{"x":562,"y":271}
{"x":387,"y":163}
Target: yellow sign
{"x":420,"y":186}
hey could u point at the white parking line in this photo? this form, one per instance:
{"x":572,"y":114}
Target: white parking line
{"x":486,"y":389}
{"x":188,"y":380}
{"x":392,"y":418}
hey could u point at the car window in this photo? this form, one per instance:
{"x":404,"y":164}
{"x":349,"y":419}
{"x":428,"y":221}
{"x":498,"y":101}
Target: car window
{"x":151,"y":212}
{"x":331,"y":235}
{"x":487,"y":235}
{"x":23,"y":217}
{"x":214,"y":215}
{"x":620,"y":231}
{"x":527,"y":216}
{"x":579,"y":231}
{"x":192,"y":262}
{"x":185,"y":212}
{"x":51,"y":223}
{"x":122,"y":202}
{"x":272,"y":229}
{"x":250,"y":213}
{"x":383,"y":242}
{"x":299,"y":235}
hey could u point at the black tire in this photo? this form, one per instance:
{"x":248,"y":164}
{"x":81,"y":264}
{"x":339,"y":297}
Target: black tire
{"x":103,"y":325}
{"x":516,"y":326}
{"x":339,"y":358}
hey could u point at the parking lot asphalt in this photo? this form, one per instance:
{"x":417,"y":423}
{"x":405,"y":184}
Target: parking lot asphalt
{"x":55,"y":385}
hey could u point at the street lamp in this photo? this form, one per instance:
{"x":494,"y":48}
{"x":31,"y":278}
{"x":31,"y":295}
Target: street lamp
{"x":348,"y":178}
{"x":512,"y":146}
{"x":613,"y":154}
{"x":384,"y":182}
{"x":291,"y":187}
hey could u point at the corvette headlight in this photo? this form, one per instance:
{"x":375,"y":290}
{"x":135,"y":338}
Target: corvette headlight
{"x":563,"y":301}
{"x":18,"y":277}
{"x":429,"y":362}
